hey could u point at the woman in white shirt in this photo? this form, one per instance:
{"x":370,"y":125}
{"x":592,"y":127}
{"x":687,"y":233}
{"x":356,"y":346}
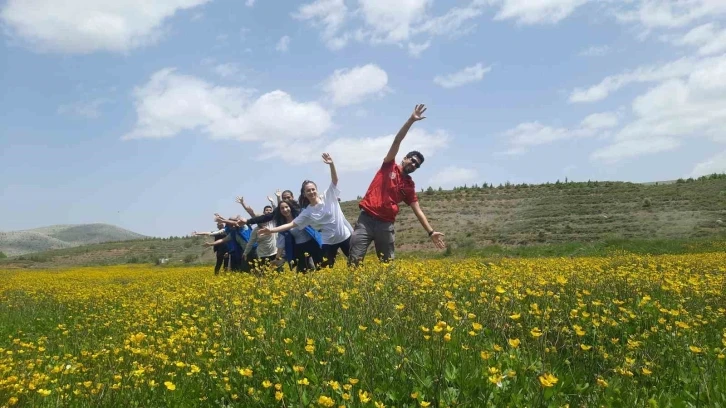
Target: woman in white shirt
{"x":323,"y":213}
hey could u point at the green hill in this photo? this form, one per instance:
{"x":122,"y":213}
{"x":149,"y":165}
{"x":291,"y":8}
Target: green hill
{"x":61,"y":236}
{"x":546,"y":219}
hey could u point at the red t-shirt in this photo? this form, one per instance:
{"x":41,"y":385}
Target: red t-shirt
{"x":389,"y":187}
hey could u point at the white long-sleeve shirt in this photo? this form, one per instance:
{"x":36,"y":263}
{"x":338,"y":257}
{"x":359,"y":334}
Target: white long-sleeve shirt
{"x":266,"y":245}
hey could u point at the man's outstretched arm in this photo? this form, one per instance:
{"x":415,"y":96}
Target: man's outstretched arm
{"x":436,"y":237}
{"x":417,"y":115}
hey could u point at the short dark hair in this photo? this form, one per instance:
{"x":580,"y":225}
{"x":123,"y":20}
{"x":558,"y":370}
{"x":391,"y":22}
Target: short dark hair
{"x":267,"y":206}
{"x":418,"y":155}
{"x":287,"y":191}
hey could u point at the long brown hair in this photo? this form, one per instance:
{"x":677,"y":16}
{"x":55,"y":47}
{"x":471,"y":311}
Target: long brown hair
{"x":304,"y":202}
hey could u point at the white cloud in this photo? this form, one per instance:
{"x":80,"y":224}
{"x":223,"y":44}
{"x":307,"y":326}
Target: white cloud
{"x":530,"y":134}
{"x":453,"y":176}
{"x":467,"y":75}
{"x":249,"y":3}
{"x":536,"y":12}
{"x":707,"y":37}
{"x":283,"y":44}
{"x":350,"y":86}
{"x":653,"y":14}
{"x":714,"y":164}
{"x":227,"y":70}
{"x":415,"y":50}
{"x":171,"y":103}
{"x":361,"y":153}
{"x":674,"y":110}
{"x":391,"y":21}
{"x":644,"y":74}
{"x":90,"y":109}
{"x":85,"y":26}
{"x":631,"y":148}
{"x":453,"y":22}
{"x":595,"y":51}
{"x":330,"y":16}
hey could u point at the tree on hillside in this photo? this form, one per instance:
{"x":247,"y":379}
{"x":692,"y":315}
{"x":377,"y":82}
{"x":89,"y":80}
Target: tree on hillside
{"x":2,"y":255}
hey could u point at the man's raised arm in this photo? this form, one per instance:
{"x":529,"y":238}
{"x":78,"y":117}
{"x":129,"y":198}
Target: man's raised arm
{"x":415,"y":117}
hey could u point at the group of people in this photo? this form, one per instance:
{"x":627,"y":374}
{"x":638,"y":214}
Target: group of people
{"x":308,"y":233}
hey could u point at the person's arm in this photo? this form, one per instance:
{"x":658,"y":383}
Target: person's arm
{"x":219,"y":241}
{"x":261,"y":219}
{"x":241,"y":201}
{"x":436,"y":237}
{"x":281,"y":228}
{"x":251,"y":243}
{"x":278,"y":194}
{"x":333,"y":174}
{"x":239,"y":221}
{"x":415,"y":116}
{"x":272,"y":202}
{"x":195,"y":233}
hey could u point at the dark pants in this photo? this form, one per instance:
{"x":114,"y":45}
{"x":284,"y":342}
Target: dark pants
{"x":370,"y":229}
{"x":313,"y":259}
{"x":330,"y":251}
{"x":235,"y":261}
{"x":221,"y":260}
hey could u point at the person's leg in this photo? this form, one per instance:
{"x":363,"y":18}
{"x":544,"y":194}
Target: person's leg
{"x":235,"y":261}
{"x":345,"y":247}
{"x":330,"y":252}
{"x":385,"y":238}
{"x":226,"y":262}
{"x":360,"y":240}
{"x":220,"y":261}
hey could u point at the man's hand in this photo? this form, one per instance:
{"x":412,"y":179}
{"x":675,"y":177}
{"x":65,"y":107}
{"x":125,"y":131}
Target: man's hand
{"x":278,"y":193}
{"x":263,"y":231}
{"x":240,"y":200}
{"x":327,"y":159}
{"x":208,"y":244}
{"x":418,"y":112}
{"x":271,"y":200}
{"x":438,"y":240}
{"x":218,"y":218}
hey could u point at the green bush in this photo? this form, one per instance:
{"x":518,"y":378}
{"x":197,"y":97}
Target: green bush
{"x":2,"y":255}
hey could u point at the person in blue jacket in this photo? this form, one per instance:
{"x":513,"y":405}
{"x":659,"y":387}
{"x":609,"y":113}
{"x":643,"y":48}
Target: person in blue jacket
{"x":302,"y":246}
{"x":236,"y":240}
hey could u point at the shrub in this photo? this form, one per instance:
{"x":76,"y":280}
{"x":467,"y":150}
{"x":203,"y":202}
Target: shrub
{"x":189,"y":259}
{"x":647,"y":203}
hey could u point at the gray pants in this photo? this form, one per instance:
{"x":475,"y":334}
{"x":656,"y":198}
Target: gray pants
{"x":368,"y":229}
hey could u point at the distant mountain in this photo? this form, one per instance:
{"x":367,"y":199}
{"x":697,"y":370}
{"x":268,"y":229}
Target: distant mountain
{"x":61,"y":236}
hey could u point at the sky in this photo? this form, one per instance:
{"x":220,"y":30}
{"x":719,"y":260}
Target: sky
{"x":152,"y":116}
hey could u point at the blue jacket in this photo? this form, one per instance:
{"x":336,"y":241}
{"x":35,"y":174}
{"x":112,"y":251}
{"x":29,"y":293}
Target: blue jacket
{"x":290,"y":241}
{"x":232,"y":244}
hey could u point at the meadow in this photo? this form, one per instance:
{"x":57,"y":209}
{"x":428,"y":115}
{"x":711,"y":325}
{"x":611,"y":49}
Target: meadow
{"x":619,"y":330}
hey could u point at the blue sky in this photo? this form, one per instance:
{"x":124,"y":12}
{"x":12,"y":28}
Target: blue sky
{"x":153,"y":117}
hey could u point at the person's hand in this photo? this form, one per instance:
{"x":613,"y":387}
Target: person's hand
{"x":264,"y":231}
{"x":194,"y":233}
{"x":418,"y":112}
{"x":218,"y":217}
{"x":208,"y":244}
{"x":278,"y":193}
{"x":271,"y":200}
{"x":226,"y":254}
{"x":327,"y":159}
{"x":240,"y":200}
{"x":438,"y":240}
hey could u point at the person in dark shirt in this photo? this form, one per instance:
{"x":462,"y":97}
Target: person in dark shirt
{"x":220,"y":250}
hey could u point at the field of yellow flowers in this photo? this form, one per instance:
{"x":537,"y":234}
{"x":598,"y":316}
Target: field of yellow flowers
{"x":622,"y":330}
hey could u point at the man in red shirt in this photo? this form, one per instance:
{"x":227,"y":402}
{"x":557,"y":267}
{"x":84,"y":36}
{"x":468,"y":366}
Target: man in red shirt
{"x":391,"y":185}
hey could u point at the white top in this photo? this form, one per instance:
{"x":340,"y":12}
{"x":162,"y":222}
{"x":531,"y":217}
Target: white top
{"x":265,"y":244}
{"x":326,"y":217}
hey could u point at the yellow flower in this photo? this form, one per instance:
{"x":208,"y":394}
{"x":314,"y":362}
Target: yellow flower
{"x":245,"y":372}
{"x":363,"y":396}
{"x":379,"y":404}
{"x":515,"y":316}
{"x":548,"y":380}
{"x":298,"y":369}
{"x":514,"y":343}
{"x":695,"y":349}
{"x":44,"y":392}
{"x":447,"y":337}
{"x":362,"y":328}
{"x":585,"y":347}
{"x":602,"y":382}
{"x":424,"y":403}
{"x":310,"y":348}
{"x":476,"y":326}
{"x":325,"y":401}
{"x":169,"y":385}
{"x":646,"y":371}
{"x":414,"y":395}
{"x":267,"y":383}
{"x":500,"y":289}
{"x":353,"y":381}
{"x":87,"y":384}
{"x":304,"y":381}
{"x":536,"y":332}
{"x":400,"y":306}
{"x":195,"y":369}
{"x":12,"y":401}
{"x":278,"y":395}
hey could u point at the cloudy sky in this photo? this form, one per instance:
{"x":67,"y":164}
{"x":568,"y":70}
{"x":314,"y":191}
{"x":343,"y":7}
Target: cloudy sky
{"x":154,"y":115}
